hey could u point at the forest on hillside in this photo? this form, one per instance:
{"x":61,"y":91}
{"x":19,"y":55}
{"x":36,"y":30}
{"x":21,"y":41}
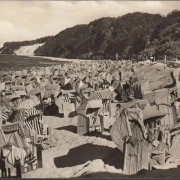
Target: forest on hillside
{"x":131,"y":36}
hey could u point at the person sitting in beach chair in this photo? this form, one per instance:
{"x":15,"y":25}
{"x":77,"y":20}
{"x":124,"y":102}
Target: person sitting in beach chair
{"x":158,"y":147}
{"x":67,"y":84}
{"x":82,"y":119}
{"x":106,"y":84}
{"x":126,"y":92}
{"x":89,"y":80}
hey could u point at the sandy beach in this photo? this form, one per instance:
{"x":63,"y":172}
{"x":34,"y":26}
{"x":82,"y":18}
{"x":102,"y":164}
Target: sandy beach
{"x":76,"y":155}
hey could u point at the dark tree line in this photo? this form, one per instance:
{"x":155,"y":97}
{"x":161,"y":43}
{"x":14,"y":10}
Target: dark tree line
{"x":104,"y":38}
{"x":132,"y":36}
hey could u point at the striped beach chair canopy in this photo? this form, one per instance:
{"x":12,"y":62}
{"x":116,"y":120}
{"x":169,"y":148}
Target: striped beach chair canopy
{"x":5,"y":113}
{"x":31,"y":112}
{"x":34,"y":123}
{"x":68,"y":97}
{"x":23,"y":114}
{"x":104,"y":94}
{"x":30,"y":118}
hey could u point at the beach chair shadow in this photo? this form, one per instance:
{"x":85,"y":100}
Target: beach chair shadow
{"x":158,"y":173}
{"x":99,"y":134}
{"x":61,"y":115}
{"x":173,"y":82}
{"x":53,"y":110}
{"x":69,"y":128}
{"x":72,"y":114}
{"x":89,"y":152}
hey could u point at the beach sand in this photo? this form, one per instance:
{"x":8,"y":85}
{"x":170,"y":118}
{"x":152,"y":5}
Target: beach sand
{"x":76,"y":155}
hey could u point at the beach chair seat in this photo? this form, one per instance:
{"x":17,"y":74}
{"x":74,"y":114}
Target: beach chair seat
{"x":43,"y":131}
{"x":68,"y":104}
{"x":105,"y":96}
{"x":32,"y":120}
{"x":134,"y":161}
{"x":15,"y":137}
{"x":95,"y":124}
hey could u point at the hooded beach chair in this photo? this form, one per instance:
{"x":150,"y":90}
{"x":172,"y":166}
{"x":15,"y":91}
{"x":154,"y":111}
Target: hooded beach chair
{"x":19,"y":152}
{"x":96,"y":121}
{"x":32,"y":119}
{"x":105,"y":96}
{"x":68,"y":102}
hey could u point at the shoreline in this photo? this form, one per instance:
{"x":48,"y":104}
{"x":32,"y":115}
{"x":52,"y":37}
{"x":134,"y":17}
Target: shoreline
{"x":64,"y":59}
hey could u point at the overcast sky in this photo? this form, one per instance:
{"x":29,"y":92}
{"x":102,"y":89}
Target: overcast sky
{"x":27,"y":20}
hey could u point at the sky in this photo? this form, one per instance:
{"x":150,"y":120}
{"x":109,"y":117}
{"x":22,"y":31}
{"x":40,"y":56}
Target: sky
{"x":28,"y":20}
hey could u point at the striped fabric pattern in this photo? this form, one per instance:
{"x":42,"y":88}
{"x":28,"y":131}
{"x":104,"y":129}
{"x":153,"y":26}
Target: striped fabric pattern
{"x":10,"y":128}
{"x":16,"y":140}
{"x":100,"y":95}
{"x":40,"y":139}
{"x":65,"y":98}
{"x":19,"y":116}
{"x":23,"y":114}
{"x":5,"y":114}
{"x":33,"y":122}
{"x":16,"y":102}
{"x":106,"y":107}
{"x":91,"y":120}
{"x":104,"y":95}
{"x":30,"y":118}
{"x":14,"y":127}
{"x":119,"y":131}
{"x":30,"y":112}
{"x":106,"y":104}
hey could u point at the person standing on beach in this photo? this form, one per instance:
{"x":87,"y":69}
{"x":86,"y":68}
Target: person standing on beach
{"x":117,"y":113}
{"x":67,"y":84}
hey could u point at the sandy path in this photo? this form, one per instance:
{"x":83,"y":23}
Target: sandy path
{"x":75,"y":155}
{"x":64,"y":59}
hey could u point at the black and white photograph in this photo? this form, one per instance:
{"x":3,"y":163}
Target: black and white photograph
{"x":89,"y":89}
